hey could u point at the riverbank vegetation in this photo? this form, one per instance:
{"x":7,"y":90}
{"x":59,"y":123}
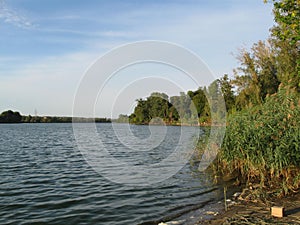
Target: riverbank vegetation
{"x":15,"y":117}
{"x":262,"y":136}
{"x":261,"y":143}
{"x":262,"y":99}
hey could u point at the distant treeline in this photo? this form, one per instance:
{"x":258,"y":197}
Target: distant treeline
{"x":191,"y":108}
{"x":15,"y":117}
{"x":175,"y":110}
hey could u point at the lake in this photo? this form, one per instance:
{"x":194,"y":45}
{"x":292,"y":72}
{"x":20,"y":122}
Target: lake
{"x":46,"y":180}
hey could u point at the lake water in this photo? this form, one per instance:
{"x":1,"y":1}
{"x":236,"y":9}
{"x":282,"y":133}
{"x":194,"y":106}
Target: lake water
{"x":44,"y":179}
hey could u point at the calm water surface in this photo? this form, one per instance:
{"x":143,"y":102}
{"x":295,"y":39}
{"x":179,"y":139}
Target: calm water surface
{"x":45,"y":180}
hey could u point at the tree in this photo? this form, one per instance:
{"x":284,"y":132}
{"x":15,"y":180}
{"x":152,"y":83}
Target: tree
{"x":158,"y":105}
{"x":216,"y":101}
{"x":141,"y":113}
{"x":122,"y":119}
{"x":227,"y":92}
{"x":10,"y":117}
{"x":287,"y":17}
{"x":286,"y":39}
{"x":182,"y":104}
{"x":257,"y":75}
{"x":199,"y":99}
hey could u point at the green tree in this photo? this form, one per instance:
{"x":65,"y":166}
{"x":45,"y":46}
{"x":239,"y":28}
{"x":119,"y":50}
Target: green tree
{"x":227,"y":92}
{"x":182,"y":104}
{"x":201,"y":104}
{"x":158,"y":104}
{"x":199,"y":99}
{"x":286,"y":39}
{"x":122,"y":119}
{"x":141,"y":113}
{"x":257,"y":75}
{"x":10,"y":117}
{"x":216,"y":101}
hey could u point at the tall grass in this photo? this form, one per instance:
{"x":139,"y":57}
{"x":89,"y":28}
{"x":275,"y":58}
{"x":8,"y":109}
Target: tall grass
{"x":262,"y":143}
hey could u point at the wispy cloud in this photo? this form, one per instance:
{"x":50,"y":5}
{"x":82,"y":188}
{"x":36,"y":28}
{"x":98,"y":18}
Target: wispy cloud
{"x":12,"y":16}
{"x":49,"y":83}
{"x":42,"y":65}
{"x":95,"y":34}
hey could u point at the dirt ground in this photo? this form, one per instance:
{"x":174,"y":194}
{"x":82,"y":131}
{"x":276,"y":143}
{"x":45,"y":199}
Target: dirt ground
{"x":246,"y":212}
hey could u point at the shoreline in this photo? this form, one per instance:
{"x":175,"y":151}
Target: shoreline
{"x":203,"y":211}
{"x":251,"y":212}
{"x":241,"y":211}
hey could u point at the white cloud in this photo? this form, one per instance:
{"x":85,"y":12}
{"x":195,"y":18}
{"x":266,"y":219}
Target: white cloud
{"x":49,"y":84}
{"x":95,"y":34}
{"x":12,"y":16}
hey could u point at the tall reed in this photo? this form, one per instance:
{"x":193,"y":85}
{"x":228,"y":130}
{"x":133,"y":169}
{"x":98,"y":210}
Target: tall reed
{"x":262,"y":143}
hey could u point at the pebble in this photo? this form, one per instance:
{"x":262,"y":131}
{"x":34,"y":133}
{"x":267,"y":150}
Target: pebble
{"x":172,"y":222}
{"x":212,"y":213}
{"x":237,"y":194}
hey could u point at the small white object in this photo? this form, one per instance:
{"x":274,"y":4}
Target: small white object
{"x":237,"y":194}
{"x":210,"y":213}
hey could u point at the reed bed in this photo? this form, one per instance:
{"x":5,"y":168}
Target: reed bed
{"x":261,"y":143}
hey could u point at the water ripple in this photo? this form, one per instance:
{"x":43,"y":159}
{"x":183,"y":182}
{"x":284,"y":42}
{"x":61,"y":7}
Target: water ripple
{"x":45,"y":180}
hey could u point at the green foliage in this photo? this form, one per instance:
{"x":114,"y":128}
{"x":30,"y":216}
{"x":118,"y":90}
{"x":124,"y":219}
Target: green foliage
{"x":227,"y":92}
{"x":263,"y":132}
{"x":286,"y":39}
{"x":182,"y":109}
{"x":155,"y":106}
{"x":122,"y":119}
{"x":287,"y":17}
{"x":15,"y":117}
{"x":199,"y":99}
{"x":182,"y":105}
{"x":257,"y":75}
{"x":263,"y":142}
{"x":10,"y":117}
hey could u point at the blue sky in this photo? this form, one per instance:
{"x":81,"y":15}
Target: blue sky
{"x":46,"y":46}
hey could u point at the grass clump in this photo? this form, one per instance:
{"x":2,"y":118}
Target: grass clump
{"x":262,"y":143}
